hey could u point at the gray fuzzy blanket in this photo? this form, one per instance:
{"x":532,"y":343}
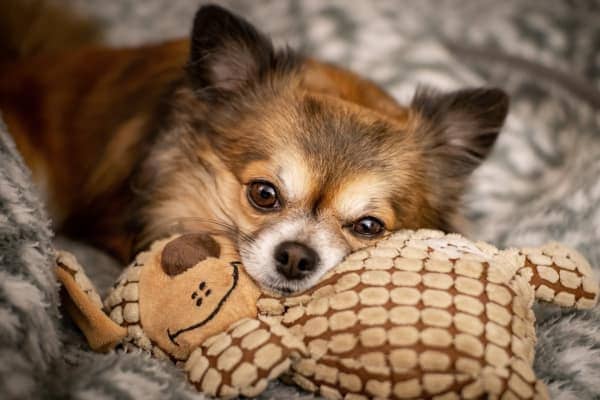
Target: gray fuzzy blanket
{"x":541,"y":183}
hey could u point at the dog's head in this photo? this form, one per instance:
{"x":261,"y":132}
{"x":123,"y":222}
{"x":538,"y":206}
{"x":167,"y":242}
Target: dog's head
{"x":302,"y":162}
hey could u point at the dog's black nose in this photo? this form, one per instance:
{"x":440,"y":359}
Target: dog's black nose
{"x":295,"y":260}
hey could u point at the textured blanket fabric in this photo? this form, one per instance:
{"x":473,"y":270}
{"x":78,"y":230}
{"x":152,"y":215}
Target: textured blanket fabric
{"x":541,"y":183}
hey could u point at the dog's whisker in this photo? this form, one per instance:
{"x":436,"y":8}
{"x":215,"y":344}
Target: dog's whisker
{"x":202,"y":225}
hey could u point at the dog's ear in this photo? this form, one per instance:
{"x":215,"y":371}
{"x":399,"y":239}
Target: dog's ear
{"x":228,"y":54}
{"x":461,"y":127}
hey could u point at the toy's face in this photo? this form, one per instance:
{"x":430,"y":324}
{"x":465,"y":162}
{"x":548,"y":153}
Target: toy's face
{"x":207,"y":302}
{"x":186,"y":297}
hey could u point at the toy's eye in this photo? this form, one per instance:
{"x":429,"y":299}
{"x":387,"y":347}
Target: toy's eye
{"x":263,"y":196}
{"x":368,"y":227}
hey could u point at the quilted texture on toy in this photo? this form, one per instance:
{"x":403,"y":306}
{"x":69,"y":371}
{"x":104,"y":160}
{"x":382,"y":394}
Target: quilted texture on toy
{"x":423,"y":314}
{"x":420,"y":314}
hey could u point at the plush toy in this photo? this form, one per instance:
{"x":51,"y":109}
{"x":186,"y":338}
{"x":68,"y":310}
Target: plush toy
{"x":421,"y":314}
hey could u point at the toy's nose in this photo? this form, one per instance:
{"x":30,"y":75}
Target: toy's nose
{"x":295,"y":260}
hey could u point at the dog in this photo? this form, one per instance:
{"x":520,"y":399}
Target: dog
{"x":291,"y":161}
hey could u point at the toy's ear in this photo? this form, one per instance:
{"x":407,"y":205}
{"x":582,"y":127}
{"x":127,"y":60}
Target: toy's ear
{"x":84,"y":305}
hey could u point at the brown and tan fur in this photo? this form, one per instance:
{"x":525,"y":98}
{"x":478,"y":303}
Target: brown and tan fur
{"x":129,"y":144}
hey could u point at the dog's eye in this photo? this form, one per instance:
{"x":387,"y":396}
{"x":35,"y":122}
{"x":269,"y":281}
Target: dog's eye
{"x":263,"y":195}
{"x":368,"y":226}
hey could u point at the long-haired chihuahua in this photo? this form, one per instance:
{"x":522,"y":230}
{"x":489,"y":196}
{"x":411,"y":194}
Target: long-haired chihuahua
{"x":292,"y":162}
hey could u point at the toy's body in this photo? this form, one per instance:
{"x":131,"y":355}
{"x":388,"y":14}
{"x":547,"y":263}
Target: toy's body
{"x":421,"y":314}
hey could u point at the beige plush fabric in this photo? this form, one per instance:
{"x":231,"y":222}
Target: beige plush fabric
{"x":421,"y":314}
{"x":243,"y":359}
{"x":424,"y":314}
{"x":173,"y":314}
{"x":82,"y":302}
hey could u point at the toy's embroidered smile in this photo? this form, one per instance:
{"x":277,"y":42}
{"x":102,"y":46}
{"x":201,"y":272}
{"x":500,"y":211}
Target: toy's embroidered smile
{"x":204,"y":290}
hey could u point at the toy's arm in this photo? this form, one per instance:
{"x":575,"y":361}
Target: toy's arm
{"x":242,"y":360}
{"x":83,"y":304}
{"x":560,"y":275}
